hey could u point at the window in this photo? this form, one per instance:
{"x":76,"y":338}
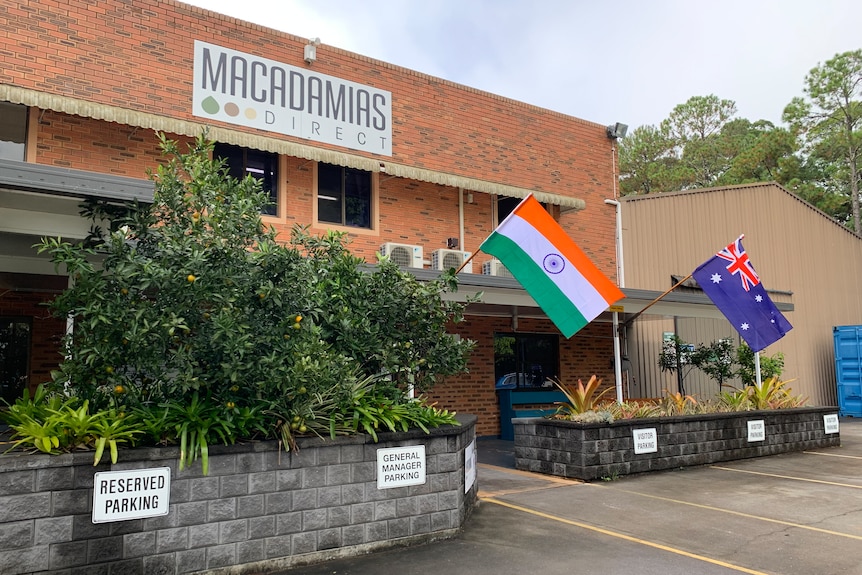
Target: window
{"x":14,"y":356}
{"x":343,"y":196}
{"x":525,"y":360}
{"x":505,"y":206}
{"x":13,"y":131}
{"x":263,"y":166}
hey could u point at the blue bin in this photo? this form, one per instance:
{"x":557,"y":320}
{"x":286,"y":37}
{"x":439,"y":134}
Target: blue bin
{"x":848,"y":369}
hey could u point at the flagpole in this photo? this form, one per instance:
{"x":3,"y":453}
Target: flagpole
{"x":656,"y":300}
{"x":757,"y":376}
{"x":465,"y":262}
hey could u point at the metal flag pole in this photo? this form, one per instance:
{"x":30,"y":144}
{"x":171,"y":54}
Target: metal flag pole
{"x":656,"y":300}
{"x":757,"y":376}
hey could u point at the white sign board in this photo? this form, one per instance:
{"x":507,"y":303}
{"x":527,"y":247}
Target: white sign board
{"x":469,"y":466}
{"x":401,"y":466}
{"x":646,"y":440}
{"x":247,"y":90}
{"x":830,"y":423}
{"x":756,"y":430}
{"x":131,"y":494}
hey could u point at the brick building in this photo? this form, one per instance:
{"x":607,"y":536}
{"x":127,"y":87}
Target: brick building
{"x":434,"y":166}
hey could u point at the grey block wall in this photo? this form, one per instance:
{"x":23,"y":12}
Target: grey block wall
{"x":592,"y":451}
{"x":258,"y":509}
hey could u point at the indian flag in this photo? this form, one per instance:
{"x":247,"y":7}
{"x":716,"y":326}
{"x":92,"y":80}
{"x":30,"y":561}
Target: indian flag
{"x":568,"y":287}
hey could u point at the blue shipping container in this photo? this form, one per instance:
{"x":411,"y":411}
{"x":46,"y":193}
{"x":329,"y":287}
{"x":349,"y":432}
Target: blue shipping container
{"x":848,"y":369}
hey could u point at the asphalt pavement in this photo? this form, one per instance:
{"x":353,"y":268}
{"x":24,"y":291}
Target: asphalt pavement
{"x":791,"y":514}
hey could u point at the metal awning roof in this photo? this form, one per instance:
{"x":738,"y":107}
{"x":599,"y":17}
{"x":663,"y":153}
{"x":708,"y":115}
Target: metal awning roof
{"x":502,"y":296}
{"x":39,"y":178}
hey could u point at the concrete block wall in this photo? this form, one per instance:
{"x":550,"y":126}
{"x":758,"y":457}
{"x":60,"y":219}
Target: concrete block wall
{"x":593,"y":451}
{"x":258,"y":509}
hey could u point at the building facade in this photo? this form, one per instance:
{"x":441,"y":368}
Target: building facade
{"x":409,"y":165}
{"x":802,"y":256}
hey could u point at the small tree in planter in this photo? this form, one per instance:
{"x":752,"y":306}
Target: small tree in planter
{"x":199,"y":325}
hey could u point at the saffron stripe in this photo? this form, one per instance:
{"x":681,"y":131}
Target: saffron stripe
{"x":569,"y":281}
{"x":545,"y":224}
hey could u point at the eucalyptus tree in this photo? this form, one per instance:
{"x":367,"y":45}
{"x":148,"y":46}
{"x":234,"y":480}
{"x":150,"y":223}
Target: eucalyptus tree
{"x":829,"y":120}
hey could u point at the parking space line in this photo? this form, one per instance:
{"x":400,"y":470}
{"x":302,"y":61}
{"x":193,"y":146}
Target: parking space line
{"x":625,"y":537}
{"x":542,"y":476}
{"x":821,"y":481}
{"x":741,"y":514}
{"x":832,"y":454}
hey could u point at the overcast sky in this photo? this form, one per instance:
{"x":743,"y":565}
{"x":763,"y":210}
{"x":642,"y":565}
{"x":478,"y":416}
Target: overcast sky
{"x":629,"y":61}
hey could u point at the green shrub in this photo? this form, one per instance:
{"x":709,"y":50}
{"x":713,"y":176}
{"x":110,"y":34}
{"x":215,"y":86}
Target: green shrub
{"x":202,"y":326}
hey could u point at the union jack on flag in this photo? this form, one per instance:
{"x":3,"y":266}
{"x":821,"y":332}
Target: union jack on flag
{"x":744,"y":303}
{"x":740,"y":264}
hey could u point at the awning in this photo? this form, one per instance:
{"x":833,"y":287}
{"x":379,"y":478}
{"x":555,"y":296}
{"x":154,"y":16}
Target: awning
{"x":79,"y":107}
{"x":501,"y":295}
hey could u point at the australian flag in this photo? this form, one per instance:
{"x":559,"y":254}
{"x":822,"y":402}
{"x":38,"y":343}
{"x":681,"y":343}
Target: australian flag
{"x":729,"y":279}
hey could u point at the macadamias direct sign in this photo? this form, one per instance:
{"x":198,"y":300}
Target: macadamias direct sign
{"x":255,"y":92}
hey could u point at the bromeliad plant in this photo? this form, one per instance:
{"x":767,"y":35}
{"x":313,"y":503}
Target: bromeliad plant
{"x":581,"y":398}
{"x":584,"y":404}
{"x":52,"y":424}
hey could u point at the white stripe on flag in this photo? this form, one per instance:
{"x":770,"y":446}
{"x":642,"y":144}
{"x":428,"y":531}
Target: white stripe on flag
{"x":571,"y":281}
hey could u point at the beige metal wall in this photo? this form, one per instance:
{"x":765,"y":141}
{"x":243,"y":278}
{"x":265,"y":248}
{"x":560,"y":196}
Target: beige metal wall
{"x":795,"y":248}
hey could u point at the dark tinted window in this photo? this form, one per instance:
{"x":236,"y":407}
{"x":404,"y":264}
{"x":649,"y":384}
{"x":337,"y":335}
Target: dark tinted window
{"x":343,"y":196}
{"x":13,"y":131}
{"x":525,"y":360}
{"x":263,"y":166}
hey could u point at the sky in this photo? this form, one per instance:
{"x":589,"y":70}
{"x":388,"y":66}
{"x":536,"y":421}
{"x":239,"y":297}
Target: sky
{"x":627,"y":61}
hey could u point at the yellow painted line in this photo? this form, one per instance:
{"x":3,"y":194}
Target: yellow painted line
{"x":542,"y":476}
{"x":822,"y":482}
{"x":740,"y":514}
{"x":833,"y":454}
{"x":625,"y":537}
{"x":502,"y":492}
{"x":548,"y":481}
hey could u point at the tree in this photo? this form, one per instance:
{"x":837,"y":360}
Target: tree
{"x":701,"y":144}
{"x":715,"y":360}
{"x":648,"y":163}
{"x":197,"y":305}
{"x":675,"y":357}
{"x":829,"y":120}
{"x":695,"y":128}
{"x":757,"y":152}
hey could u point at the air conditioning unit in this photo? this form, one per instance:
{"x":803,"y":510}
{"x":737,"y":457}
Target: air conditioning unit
{"x":445,"y":259}
{"x":495,"y":268}
{"x":405,"y":255}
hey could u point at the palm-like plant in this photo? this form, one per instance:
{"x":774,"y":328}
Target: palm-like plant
{"x":580,"y":397}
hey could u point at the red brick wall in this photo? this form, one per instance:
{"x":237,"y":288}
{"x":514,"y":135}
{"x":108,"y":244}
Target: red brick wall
{"x":139,"y":55}
{"x":588,"y":352}
{"x":47,"y":331}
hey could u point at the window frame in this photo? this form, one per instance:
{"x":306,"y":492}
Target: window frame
{"x":25,"y":132}
{"x":549,"y":367}
{"x":278,"y":167}
{"x":373,"y":201}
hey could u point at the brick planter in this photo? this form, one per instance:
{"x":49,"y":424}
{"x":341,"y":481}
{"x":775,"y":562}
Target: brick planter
{"x":594,"y":450}
{"x":259,"y":509}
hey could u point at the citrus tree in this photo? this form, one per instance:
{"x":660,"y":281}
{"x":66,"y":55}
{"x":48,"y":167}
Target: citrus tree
{"x":193,"y":310}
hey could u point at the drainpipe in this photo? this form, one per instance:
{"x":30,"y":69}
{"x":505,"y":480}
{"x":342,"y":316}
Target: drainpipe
{"x":621,"y":280}
{"x":461,"y":220}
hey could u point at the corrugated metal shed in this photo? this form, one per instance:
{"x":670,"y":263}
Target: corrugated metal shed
{"x":802,"y":256}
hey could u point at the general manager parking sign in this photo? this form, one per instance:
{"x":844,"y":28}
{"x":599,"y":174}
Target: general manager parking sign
{"x":131,"y":494}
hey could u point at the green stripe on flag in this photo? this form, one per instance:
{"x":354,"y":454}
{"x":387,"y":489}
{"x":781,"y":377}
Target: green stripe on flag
{"x":559,"y":308}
